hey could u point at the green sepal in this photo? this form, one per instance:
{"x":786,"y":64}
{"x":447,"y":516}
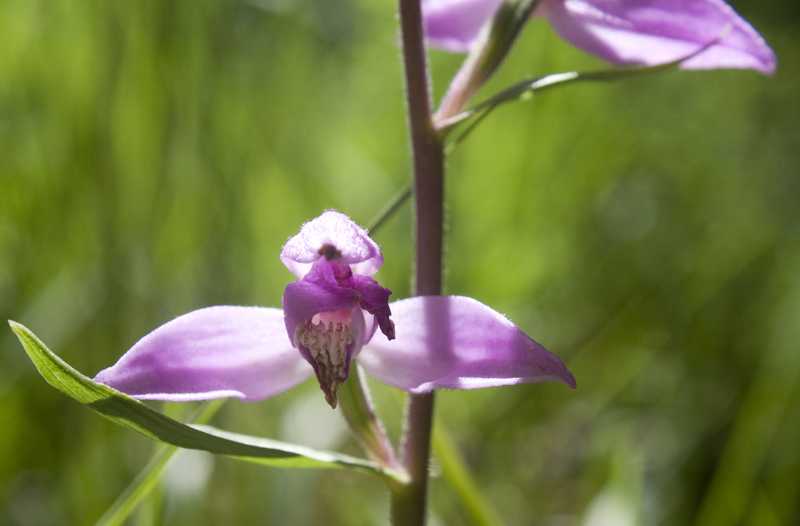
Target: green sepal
{"x":129,"y":412}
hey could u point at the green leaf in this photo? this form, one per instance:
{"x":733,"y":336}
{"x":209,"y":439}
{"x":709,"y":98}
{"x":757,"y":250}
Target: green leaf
{"x":490,"y":49}
{"x":389,"y":208}
{"x":126,"y":411}
{"x":525,"y":89}
{"x":138,"y":489}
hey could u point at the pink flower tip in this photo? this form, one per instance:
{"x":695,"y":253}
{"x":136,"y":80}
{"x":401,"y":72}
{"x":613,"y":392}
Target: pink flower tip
{"x":647,"y":32}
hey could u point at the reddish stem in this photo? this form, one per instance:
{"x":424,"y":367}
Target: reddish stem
{"x":409,"y":501}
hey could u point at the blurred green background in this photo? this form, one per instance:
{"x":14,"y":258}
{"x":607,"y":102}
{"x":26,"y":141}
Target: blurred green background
{"x":155,"y":155}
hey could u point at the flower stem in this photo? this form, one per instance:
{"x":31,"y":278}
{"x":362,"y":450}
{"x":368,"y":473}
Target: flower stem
{"x":146,"y":480}
{"x":389,"y":209}
{"x":409,"y":501}
{"x":358,"y":411}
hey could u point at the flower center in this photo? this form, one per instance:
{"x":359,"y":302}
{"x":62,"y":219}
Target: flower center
{"x":326,"y":336}
{"x":330,"y":252}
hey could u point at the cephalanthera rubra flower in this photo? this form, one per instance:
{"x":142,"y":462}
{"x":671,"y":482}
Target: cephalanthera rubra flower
{"x":330,"y":316}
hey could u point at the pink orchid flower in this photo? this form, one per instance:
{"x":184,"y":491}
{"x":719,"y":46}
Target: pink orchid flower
{"x":647,"y":32}
{"x":330,"y":316}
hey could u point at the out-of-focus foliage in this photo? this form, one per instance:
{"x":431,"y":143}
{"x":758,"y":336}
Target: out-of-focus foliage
{"x":155,"y":156}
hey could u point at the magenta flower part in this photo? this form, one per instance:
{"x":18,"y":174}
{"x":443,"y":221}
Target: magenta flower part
{"x":647,"y":32}
{"x":453,"y":25}
{"x":331,"y":316}
{"x":216,"y":352}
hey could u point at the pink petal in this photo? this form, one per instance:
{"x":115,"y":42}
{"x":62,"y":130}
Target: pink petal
{"x":327,"y":290}
{"x":453,"y":25}
{"x":339,"y":232}
{"x":459,"y":343}
{"x":217,"y":352}
{"x":620,"y":31}
{"x":659,"y":31}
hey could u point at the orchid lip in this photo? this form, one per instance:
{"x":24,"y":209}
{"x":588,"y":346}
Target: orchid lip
{"x":327,"y":341}
{"x":325,"y":318}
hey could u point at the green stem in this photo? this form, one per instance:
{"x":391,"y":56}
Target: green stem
{"x":357,"y":409}
{"x":457,"y":473}
{"x":147,"y":479}
{"x":389,"y":209}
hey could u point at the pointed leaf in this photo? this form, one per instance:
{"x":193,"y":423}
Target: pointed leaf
{"x":131,"y":413}
{"x":527,"y":88}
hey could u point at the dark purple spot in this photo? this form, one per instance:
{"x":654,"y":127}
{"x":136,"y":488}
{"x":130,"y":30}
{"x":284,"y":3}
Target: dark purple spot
{"x":330,"y":252}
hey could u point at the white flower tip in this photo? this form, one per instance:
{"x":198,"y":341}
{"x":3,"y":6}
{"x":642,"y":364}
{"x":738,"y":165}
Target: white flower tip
{"x":332,"y":235}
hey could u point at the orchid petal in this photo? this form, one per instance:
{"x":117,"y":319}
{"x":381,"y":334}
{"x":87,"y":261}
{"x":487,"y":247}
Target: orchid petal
{"x":649,"y":32}
{"x":453,"y":25}
{"x":659,"y":31}
{"x":336,"y":232}
{"x":457,"y":342}
{"x":216,"y":352}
